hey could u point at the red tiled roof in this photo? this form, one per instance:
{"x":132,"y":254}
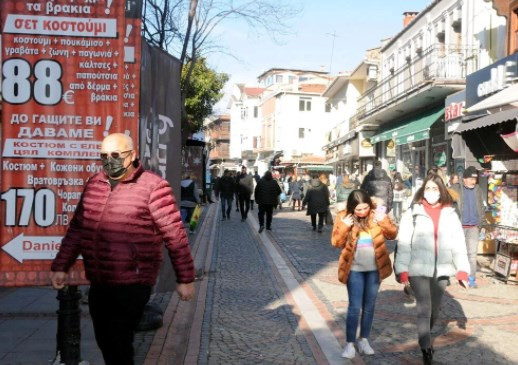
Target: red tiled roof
{"x":253,"y":91}
{"x":312,"y":88}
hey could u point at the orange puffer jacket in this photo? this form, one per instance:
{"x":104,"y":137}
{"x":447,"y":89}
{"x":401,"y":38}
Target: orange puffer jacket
{"x":346,"y":237}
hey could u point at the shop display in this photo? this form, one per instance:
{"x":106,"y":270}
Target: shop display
{"x":503,"y":215}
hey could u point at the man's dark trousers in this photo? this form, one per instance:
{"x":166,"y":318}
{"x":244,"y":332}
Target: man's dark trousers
{"x":244,"y":205}
{"x":116,"y":311}
{"x":268,"y":210}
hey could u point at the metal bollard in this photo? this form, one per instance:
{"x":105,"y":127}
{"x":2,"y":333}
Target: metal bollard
{"x":69,"y":326}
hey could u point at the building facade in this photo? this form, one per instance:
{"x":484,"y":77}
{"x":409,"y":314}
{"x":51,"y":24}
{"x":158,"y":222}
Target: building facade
{"x":294,"y":117}
{"x":419,"y":67}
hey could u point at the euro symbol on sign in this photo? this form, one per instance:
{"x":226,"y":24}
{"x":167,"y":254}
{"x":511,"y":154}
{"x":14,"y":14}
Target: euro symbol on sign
{"x":68,"y":97}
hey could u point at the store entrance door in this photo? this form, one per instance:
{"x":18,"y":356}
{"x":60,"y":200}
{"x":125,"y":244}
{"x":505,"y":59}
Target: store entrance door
{"x":419,"y":163}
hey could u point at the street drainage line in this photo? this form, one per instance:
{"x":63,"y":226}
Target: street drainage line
{"x":325,"y":338}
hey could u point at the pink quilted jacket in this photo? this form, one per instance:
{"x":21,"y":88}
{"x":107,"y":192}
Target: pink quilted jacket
{"x":121,"y":233}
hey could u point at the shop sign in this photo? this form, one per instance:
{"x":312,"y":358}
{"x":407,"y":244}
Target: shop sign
{"x":366,"y":148}
{"x":491,"y":79}
{"x":64,"y":87}
{"x":391,"y":148}
{"x":454,"y":111}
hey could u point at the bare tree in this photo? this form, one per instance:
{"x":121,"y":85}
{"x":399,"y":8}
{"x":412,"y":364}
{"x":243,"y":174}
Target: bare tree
{"x":164,"y":26}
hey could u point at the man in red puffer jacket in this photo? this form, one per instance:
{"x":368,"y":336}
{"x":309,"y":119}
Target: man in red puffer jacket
{"x":119,"y":227}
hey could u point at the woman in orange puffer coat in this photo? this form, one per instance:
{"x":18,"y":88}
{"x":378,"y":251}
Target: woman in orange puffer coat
{"x":360,"y":231}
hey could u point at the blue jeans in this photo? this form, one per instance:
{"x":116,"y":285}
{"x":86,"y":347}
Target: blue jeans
{"x":362,"y":288}
{"x":228,"y":203}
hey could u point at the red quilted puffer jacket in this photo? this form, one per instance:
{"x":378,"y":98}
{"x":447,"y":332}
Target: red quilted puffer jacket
{"x":120,"y":233}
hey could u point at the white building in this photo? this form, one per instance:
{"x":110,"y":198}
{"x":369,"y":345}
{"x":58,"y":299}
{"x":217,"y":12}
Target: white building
{"x":245,"y":125}
{"x":425,"y":62}
{"x":295,"y":116}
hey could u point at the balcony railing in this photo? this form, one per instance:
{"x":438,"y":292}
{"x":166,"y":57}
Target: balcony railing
{"x":440,"y":62}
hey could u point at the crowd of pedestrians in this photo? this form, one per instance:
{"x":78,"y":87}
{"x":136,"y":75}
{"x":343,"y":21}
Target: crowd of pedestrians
{"x":436,"y":230}
{"x":436,"y":235}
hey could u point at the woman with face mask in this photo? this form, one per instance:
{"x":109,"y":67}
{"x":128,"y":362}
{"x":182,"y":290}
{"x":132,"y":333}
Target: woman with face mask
{"x":430,"y":250}
{"x":360,"y":231}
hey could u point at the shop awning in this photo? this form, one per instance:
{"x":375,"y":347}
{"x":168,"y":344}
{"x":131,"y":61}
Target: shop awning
{"x":419,"y":128}
{"x":411,"y":130}
{"x":489,"y":120}
{"x":506,"y":96}
{"x":385,"y":134}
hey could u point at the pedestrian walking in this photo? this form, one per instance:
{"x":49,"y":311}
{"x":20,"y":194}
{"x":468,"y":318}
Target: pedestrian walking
{"x":215,"y":187}
{"x":296,"y":192}
{"x":267,"y":194}
{"x":379,"y":186}
{"x":401,"y":194}
{"x":343,"y":189}
{"x":360,"y":231}
{"x":235,"y":176}
{"x":471,"y":208}
{"x":226,"y":191}
{"x":317,"y":200}
{"x":245,"y":186}
{"x":252,"y":197}
{"x":189,"y":197}
{"x":257,"y":177}
{"x":430,"y":249}
{"x":124,"y":216}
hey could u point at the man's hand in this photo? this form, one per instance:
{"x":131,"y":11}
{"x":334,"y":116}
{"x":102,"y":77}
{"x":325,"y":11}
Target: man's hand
{"x":58,"y":279}
{"x":186,"y":291}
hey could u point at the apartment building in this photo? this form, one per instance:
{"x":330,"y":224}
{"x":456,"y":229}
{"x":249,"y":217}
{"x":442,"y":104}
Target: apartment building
{"x":245,"y":123}
{"x":217,"y":138}
{"x":348,"y":148}
{"x":294,"y":117}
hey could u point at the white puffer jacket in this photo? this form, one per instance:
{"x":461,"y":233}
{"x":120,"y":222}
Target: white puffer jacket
{"x":416,"y":249}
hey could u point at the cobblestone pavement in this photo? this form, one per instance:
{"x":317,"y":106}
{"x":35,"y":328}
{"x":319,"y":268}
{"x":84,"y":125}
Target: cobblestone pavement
{"x":476,"y":326}
{"x":247,"y":319}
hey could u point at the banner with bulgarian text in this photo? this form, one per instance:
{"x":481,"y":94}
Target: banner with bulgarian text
{"x":62,"y":92}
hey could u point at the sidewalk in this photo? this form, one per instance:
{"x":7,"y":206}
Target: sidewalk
{"x":274,"y":298}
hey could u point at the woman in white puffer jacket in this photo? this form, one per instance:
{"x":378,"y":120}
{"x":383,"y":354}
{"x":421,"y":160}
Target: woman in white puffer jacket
{"x":430,"y":249}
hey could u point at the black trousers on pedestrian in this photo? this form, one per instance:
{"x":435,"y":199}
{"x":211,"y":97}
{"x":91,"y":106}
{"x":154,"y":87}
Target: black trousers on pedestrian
{"x":268,"y":210}
{"x":244,"y":205}
{"x":321,"y":217}
{"x":116,"y":311}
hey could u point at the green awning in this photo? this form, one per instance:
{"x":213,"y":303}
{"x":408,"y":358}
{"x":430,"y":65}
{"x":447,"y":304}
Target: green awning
{"x":410,"y":130}
{"x":385,"y":134}
{"x":418,"y":129}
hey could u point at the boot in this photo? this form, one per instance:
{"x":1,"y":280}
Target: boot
{"x":427,"y":356}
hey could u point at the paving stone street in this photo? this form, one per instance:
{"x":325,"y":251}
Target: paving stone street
{"x":274,"y":298}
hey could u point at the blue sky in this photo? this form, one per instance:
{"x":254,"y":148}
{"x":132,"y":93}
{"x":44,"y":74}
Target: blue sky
{"x":359,"y":25}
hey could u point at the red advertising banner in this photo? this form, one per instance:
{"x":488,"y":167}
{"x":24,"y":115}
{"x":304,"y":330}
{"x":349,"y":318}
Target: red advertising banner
{"x":62,"y":92}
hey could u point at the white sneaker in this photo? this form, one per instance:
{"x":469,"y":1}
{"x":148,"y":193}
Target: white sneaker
{"x":364,"y":347}
{"x":349,"y":351}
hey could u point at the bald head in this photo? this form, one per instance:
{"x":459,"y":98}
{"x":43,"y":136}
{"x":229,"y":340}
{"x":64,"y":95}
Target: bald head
{"x":119,"y":155}
{"x":117,"y":142}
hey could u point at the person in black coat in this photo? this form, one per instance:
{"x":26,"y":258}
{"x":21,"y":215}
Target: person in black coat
{"x":379,"y":186}
{"x":317,"y":200}
{"x":226,"y":188}
{"x":267,"y":194}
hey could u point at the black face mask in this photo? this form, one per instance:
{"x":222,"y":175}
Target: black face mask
{"x":114,"y":167}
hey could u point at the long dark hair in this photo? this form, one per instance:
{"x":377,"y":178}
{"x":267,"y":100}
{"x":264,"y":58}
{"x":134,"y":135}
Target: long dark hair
{"x":355,"y":198}
{"x":445,"y":197}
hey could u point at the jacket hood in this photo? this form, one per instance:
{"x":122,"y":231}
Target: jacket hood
{"x":315,"y":183}
{"x":378,"y":174}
